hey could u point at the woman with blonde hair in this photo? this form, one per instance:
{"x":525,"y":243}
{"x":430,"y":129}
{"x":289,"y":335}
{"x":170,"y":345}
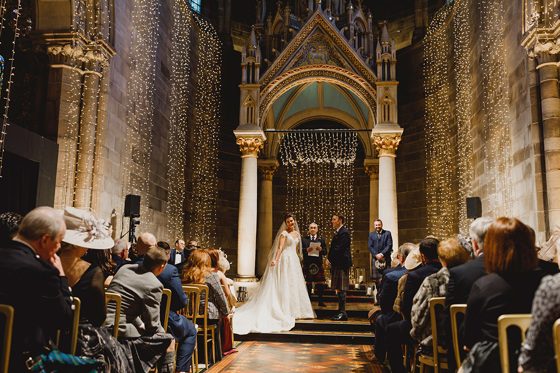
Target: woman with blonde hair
{"x":199,"y":271}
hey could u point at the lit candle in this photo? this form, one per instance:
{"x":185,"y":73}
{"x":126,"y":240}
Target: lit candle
{"x":356,"y":286}
{"x":368,"y":290}
{"x":360,"y":279}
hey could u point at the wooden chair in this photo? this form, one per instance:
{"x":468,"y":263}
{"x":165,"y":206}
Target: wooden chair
{"x":556,"y":336}
{"x":117,"y":299}
{"x":74,"y":331}
{"x":167,"y":294}
{"x":522,"y":321}
{"x":455,"y":310}
{"x":191,"y":313}
{"x":8,"y":312}
{"x":230,"y":316}
{"x":203,"y":328}
{"x":434,"y":361}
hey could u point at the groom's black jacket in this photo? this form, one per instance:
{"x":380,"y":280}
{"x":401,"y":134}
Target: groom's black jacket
{"x":340,"y":255}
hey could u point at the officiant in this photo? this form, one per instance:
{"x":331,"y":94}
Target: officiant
{"x":314,"y":248}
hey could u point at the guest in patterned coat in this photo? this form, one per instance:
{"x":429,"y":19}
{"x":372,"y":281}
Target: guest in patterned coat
{"x":451,"y":254}
{"x":199,"y":271}
{"x":313,"y":270}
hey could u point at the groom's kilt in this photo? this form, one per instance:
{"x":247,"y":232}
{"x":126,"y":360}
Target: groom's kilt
{"x":313,"y":272}
{"x":340,"y":278}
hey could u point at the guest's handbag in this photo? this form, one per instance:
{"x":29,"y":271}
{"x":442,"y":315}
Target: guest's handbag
{"x":56,"y":361}
{"x":483,"y":358}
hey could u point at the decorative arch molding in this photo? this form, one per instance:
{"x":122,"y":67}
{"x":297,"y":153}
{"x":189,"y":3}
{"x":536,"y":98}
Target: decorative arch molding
{"x":318,"y":73}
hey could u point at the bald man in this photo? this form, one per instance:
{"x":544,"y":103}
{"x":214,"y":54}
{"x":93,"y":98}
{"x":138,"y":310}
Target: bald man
{"x":143,"y":244}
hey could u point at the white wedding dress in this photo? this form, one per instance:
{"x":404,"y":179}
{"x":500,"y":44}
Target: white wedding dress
{"x":280,"y":299}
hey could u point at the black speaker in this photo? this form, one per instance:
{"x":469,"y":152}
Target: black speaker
{"x":132,"y":205}
{"x":474,"y":207}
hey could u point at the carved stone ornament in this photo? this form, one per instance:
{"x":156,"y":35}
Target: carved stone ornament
{"x":268,"y":171}
{"x":250,"y":146}
{"x":386,"y":145}
{"x":77,"y":55}
{"x":373,"y":172}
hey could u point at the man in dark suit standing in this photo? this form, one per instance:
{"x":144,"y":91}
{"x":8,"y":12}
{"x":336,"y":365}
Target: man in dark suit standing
{"x":32,"y":281}
{"x":380,"y":245}
{"x":313,"y":263}
{"x":340,"y":260}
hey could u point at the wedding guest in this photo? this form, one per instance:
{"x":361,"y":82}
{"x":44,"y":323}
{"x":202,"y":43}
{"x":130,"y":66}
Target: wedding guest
{"x":119,"y":252}
{"x":380,"y":246}
{"x":177,"y":256}
{"x":86,"y":280}
{"x":102,"y":260}
{"x":509,"y":287}
{"x":451,"y":254}
{"x":199,"y":271}
{"x":140,"y":328}
{"x":33,"y":281}
{"x":313,"y":270}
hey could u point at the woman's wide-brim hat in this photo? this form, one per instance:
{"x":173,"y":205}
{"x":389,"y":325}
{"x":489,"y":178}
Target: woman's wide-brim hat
{"x":85,"y":229}
{"x":413,"y":259}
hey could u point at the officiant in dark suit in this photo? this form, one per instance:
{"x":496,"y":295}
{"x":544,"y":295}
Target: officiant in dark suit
{"x":340,"y":260}
{"x":313,"y":265}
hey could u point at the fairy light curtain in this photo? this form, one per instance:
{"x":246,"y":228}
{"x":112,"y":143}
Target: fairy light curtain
{"x":320,"y":177}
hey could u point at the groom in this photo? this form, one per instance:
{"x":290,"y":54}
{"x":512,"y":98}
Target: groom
{"x":340,"y":260}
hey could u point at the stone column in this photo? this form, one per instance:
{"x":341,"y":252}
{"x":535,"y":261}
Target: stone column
{"x":265,"y":229}
{"x":386,"y":144}
{"x":86,"y":147}
{"x":550,"y":108}
{"x":250,"y":142}
{"x":372,"y":169}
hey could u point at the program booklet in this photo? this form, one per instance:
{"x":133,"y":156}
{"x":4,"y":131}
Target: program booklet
{"x":316,"y":246}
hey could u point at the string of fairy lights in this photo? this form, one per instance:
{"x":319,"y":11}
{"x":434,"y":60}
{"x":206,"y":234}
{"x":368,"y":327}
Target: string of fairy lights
{"x":462,"y":48}
{"x":312,"y":158}
{"x":140,"y":101}
{"x":6,"y":93}
{"x":179,"y":123}
{"x":202,"y":203}
{"x":495,"y":90}
{"x":439,"y":152}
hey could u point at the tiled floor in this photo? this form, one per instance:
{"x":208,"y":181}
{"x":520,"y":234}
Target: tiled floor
{"x":275,"y":357}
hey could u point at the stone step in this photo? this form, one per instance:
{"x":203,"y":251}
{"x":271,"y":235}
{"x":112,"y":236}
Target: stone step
{"x":299,"y":336}
{"x":357,"y":325}
{"x":349,"y":299}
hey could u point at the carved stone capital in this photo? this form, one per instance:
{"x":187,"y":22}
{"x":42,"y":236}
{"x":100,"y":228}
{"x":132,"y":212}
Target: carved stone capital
{"x":268,"y":171}
{"x":372,"y":171}
{"x":386,"y":144}
{"x":250,"y":146}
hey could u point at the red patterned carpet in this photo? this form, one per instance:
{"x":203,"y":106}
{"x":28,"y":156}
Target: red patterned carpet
{"x":276,"y":357}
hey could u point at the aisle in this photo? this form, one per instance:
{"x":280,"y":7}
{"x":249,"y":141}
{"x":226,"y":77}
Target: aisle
{"x":276,"y":357}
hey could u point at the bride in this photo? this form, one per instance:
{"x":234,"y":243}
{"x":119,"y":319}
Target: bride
{"x":281,"y":296}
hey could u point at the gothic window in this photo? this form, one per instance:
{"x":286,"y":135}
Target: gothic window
{"x":195,"y":5}
{"x":249,"y":111}
{"x":386,"y":108}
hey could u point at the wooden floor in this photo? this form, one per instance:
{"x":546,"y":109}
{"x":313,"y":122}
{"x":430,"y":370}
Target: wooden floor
{"x":276,"y":357}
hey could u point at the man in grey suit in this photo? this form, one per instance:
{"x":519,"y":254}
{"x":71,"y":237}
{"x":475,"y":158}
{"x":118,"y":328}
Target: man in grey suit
{"x":140,"y":329}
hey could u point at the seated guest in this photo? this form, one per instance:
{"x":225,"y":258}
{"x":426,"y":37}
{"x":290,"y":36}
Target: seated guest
{"x":387,"y":296}
{"x":412,"y":262}
{"x":398,"y":333}
{"x":177,"y":257}
{"x":33,"y":281}
{"x":119,"y":252}
{"x":451,"y":254}
{"x":178,"y":325}
{"x":9,"y":224}
{"x":199,"y":271}
{"x":140,"y":329}
{"x":462,"y":277}
{"x":102,"y":260}
{"x":537,"y":353}
{"x":86,"y":281}
{"x":508,"y":288}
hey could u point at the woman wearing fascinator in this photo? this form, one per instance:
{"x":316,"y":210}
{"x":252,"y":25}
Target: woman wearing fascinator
{"x":85,"y":231}
{"x":281,"y":296}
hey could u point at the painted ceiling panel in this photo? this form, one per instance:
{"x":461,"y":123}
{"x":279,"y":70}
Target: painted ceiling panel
{"x":279,"y":103}
{"x":307,"y":99}
{"x":333,"y":98}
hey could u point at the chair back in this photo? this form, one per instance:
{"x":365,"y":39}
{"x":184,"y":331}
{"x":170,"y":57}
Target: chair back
{"x":435,"y":303}
{"x":74,"y":331}
{"x":167,"y":294}
{"x":190,"y":311}
{"x":455,"y":310}
{"x":556,"y":336}
{"x":8,"y":312}
{"x":522,"y":321}
{"x":118,"y":300}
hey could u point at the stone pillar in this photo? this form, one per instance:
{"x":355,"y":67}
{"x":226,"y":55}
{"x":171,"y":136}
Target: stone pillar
{"x":250,"y":142}
{"x":372,"y":169}
{"x":386,"y":144}
{"x":86,"y":147}
{"x":550,"y":108}
{"x":265,"y":228}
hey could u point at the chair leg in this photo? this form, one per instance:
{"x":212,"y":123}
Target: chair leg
{"x":421,"y":367}
{"x":206,"y":348}
{"x":213,"y":346}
